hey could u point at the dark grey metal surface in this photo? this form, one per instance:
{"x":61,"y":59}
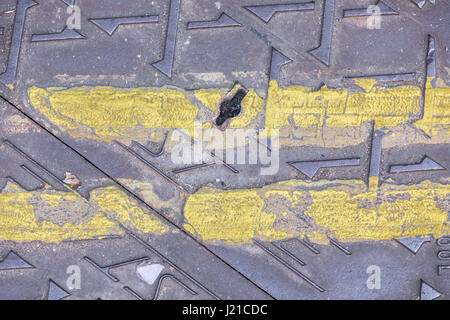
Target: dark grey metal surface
{"x":155,"y":43}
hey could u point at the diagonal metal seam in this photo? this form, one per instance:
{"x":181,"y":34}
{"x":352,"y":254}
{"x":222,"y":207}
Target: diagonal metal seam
{"x":129,"y":232}
{"x":135,"y":196}
{"x":156,"y":252}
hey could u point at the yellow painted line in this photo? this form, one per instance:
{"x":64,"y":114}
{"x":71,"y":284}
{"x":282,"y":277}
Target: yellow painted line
{"x":335,"y":118}
{"x":53,"y":216}
{"x":109,"y":113}
{"x":327,"y":117}
{"x":436,"y":110}
{"x":345,"y":210}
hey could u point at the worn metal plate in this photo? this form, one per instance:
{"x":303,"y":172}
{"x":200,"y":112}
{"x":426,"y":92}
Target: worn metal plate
{"x":208,"y":149}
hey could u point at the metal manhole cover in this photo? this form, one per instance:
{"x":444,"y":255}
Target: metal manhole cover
{"x":181,"y":149}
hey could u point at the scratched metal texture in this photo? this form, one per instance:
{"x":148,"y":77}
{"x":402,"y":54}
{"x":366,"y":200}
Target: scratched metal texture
{"x":189,"y":37}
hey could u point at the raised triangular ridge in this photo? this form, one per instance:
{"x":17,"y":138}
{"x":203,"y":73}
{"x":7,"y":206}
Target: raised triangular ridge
{"x":427,"y":292}
{"x":419,"y":3}
{"x":426,"y":164}
{"x":55,"y":292}
{"x":110,"y":25}
{"x":413,"y":244}
{"x":66,"y":34}
{"x":13,"y":261}
{"x":307,"y":168}
{"x":385,"y":9}
{"x":69,"y":2}
{"x":321,"y":54}
{"x":224,"y":20}
{"x":266,"y":12}
{"x":278,"y":60}
{"x":310,"y":168}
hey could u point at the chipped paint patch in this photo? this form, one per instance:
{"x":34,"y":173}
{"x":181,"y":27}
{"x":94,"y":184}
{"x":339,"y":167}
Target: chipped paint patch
{"x":53,"y":216}
{"x":18,"y":222}
{"x":326,"y":117}
{"x":436,"y":116}
{"x":107,"y":113}
{"x":337,"y":118}
{"x":301,"y":107}
{"x":120,"y":207}
{"x":232,"y":216}
{"x":110,"y":113}
{"x":167,"y":200}
{"x":345,"y":210}
{"x":394,"y":212}
{"x":16,"y":124}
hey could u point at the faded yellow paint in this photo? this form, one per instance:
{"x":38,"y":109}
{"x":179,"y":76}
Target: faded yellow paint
{"x":55,"y":201}
{"x":109,"y":113}
{"x":393,"y":213}
{"x":209,"y":97}
{"x":346,"y":210}
{"x":232,"y":216}
{"x":436,"y":115}
{"x":300,"y":107}
{"x":305,"y":108}
{"x":112,"y":201}
{"x":18,"y":223}
{"x":334,"y":118}
{"x":53,"y":216}
{"x":365,"y":83}
{"x":169,"y":204}
{"x":326,"y":117}
{"x":387,"y":106}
